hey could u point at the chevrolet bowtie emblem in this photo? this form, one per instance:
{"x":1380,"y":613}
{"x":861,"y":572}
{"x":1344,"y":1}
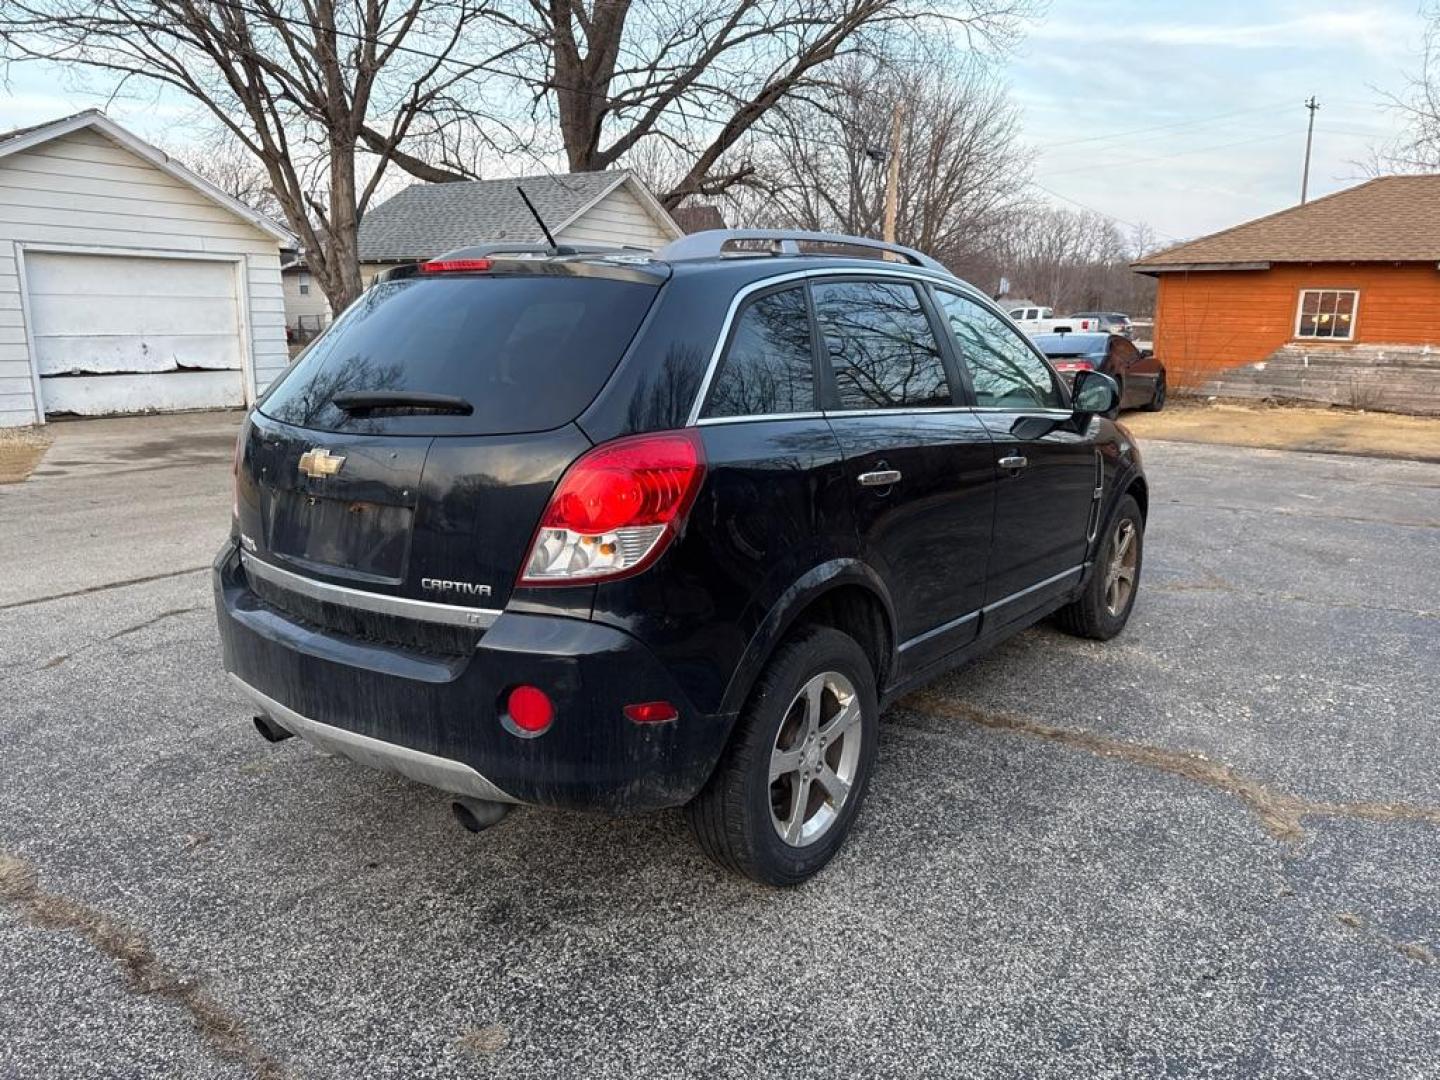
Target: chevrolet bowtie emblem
{"x":319,"y":462}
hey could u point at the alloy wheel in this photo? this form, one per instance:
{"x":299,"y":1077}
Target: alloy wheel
{"x":1120,"y":573}
{"x":814,"y":761}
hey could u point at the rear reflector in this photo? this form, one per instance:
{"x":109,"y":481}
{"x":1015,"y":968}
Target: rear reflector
{"x":616,"y":509}
{"x":529,"y":708}
{"x":652,"y":712}
{"x":454,"y":266}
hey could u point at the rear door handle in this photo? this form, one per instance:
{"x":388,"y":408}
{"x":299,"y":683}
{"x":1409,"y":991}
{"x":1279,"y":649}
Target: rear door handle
{"x":880,"y":478}
{"x":1013,"y":461}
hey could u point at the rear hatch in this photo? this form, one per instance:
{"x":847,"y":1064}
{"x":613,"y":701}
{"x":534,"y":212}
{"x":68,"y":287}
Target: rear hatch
{"x":410,"y":451}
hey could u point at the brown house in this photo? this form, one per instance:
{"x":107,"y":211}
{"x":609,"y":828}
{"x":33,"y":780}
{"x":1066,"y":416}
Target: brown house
{"x":1337,"y":279}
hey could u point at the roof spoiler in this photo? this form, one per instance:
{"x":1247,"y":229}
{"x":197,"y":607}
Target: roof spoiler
{"x":712,"y":244}
{"x":487,"y":251}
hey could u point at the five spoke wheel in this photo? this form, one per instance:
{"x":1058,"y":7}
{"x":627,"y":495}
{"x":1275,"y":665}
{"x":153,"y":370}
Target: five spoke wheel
{"x":815,"y":758}
{"x":1121,"y":571}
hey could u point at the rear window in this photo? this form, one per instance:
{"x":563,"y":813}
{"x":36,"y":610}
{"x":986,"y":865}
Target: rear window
{"x":528,"y":352}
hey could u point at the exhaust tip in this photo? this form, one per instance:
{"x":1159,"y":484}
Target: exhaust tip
{"x":271,"y":731}
{"x":477,"y":815}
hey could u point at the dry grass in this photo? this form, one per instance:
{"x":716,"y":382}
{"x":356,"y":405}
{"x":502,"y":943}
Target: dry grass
{"x":1284,"y":427}
{"x":20,"y":451}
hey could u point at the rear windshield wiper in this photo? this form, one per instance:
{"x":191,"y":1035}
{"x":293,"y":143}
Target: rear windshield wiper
{"x":369,"y":400}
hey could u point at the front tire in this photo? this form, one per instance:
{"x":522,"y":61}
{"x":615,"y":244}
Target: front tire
{"x":794,"y":775}
{"x":1105,"y":603}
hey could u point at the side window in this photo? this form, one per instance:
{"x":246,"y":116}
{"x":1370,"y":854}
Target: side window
{"x":880,"y":346}
{"x":769,"y":367}
{"x":1006,"y":372}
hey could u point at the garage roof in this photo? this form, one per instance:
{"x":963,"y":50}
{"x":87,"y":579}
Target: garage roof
{"x":1388,"y":219}
{"x":425,"y":220}
{"x":12,"y":142}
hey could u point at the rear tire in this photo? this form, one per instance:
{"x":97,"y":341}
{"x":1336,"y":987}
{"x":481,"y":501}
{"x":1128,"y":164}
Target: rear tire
{"x":1105,"y":603}
{"x":1157,"y":399}
{"x":793,"y":777}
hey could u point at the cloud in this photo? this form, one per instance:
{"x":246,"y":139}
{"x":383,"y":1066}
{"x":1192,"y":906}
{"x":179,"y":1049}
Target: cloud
{"x":1375,"y":29}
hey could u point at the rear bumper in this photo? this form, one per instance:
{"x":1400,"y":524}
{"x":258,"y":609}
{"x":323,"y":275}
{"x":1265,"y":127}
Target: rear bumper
{"x":436,"y":718}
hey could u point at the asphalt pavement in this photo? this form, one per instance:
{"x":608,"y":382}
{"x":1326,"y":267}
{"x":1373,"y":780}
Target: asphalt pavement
{"x":1207,"y":848}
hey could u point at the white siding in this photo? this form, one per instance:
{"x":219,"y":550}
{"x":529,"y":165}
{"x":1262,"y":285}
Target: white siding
{"x":85,"y":191}
{"x":620,"y":219}
{"x":311,"y":307}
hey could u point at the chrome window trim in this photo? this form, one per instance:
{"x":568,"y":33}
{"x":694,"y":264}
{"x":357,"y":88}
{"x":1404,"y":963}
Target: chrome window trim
{"x":750,"y":418}
{"x":443,"y":773}
{"x":880,"y":271}
{"x":359,"y":599}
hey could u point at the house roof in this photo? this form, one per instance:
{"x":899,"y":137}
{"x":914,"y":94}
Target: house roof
{"x":1388,"y":219}
{"x":13,"y":142}
{"x":426,"y":220}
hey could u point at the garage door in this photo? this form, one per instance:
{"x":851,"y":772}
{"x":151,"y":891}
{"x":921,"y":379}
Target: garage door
{"x":117,"y":333}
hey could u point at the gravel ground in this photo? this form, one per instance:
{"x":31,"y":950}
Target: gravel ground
{"x":1204,"y":849}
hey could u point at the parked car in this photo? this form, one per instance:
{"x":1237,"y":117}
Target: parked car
{"x":1107,"y":322}
{"x":1140,"y":376}
{"x":1044,"y":321}
{"x":629,"y":532}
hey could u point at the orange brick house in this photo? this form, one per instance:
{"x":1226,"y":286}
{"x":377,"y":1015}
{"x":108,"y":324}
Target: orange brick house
{"x":1336,"y":278}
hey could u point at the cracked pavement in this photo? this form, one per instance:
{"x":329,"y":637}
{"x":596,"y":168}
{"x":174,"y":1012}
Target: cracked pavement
{"x":1206,"y":848}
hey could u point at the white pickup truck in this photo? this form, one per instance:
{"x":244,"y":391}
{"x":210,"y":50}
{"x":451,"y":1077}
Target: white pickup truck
{"x":1041,"y":320}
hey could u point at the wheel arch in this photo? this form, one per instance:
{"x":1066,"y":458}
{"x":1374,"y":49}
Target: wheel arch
{"x":845,"y":594}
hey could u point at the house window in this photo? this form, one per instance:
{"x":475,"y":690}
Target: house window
{"x":1327,"y":313}
{"x":304,"y":283}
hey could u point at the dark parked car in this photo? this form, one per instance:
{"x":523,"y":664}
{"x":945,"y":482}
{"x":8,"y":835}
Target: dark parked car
{"x":627,"y":532}
{"x":1109,"y":322}
{"x":1140,"y":376}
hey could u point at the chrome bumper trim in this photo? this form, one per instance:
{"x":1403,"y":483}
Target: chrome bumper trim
{"x":445,"y":774}
{"x":403,"y":607}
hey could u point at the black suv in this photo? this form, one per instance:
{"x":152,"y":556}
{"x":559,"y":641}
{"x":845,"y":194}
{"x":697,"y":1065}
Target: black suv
{"x":624,"y":531}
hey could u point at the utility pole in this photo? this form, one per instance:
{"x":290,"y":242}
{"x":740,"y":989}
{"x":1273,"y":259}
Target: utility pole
{"x":892,"y":179}
{"x":1313,"y":106}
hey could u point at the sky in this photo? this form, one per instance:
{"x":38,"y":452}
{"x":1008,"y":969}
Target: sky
{"x":1187,"y":116}
{"x":1192,"y":114}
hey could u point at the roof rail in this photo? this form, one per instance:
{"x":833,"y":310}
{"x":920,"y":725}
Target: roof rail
{"x":711,"y":244}
{"x":481,"y":251}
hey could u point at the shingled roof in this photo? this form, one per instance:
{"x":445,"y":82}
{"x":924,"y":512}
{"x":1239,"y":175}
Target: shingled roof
{"x":426,"y":220}
{"x":1388,"y":219}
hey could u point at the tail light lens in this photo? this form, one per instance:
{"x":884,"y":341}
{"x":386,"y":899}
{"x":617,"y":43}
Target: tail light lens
{"x":1074,"y":365}
{"x":616,"y":509}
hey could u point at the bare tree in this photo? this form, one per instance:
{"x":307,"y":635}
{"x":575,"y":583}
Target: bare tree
{"x":294,"y":82}
{"x":1417,"y":149}
{"x":697,"y":79}
{"x":1078,"y":260}
{"x":963,"y":170}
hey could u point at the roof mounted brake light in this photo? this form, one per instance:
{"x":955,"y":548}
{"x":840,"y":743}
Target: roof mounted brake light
{"x":454,"y":266}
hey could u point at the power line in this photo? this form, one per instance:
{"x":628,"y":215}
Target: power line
{"x":1165,"y":127}
{"x":1268,"y":137}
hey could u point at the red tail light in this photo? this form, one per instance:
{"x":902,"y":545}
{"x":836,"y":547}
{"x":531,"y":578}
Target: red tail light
{"x":454,"y":266}
{"x":616,"y":509}
{"x":1074,"y":365}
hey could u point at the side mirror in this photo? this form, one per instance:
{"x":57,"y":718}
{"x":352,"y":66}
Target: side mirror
{"x":1095,"y":394}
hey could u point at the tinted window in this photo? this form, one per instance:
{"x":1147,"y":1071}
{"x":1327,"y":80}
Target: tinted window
{"x":528,"y":352}
{"x":769,"y":366}
{"x":1006,"y":372}
{"x":880,"y":346}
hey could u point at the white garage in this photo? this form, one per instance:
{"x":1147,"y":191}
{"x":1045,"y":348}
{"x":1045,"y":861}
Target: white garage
{"x":127,"y":283}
